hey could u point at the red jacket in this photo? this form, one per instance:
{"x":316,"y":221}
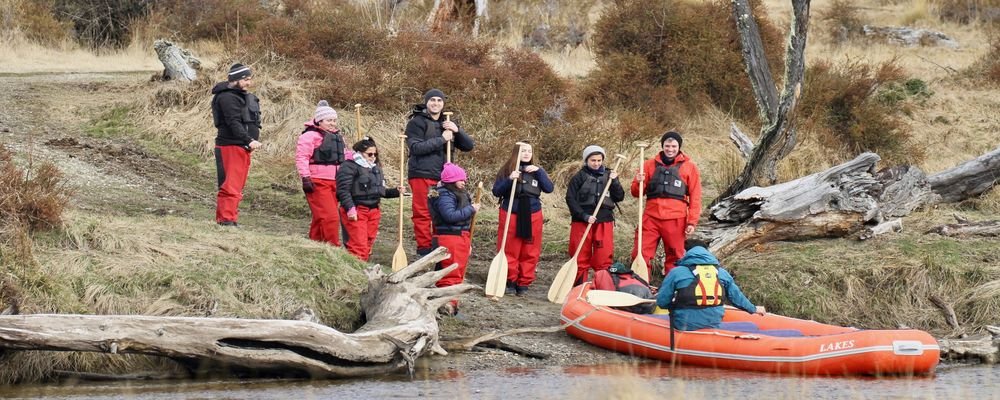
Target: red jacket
{"x":666,"y":208}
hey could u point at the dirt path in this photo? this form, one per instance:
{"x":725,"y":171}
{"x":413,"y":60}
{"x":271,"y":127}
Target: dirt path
{"x":42,"y":118}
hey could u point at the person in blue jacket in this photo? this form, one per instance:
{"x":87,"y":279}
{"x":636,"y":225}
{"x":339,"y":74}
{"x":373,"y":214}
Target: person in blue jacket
{"x":696,"y":291}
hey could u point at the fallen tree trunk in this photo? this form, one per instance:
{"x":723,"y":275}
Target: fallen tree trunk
{"x":837,"y":202}
{"x":400,"y":308}
{"x":969,"y":179}
{"x":981,"y":228}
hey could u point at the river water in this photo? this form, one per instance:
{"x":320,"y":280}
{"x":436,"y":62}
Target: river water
{"x":634,"y":381}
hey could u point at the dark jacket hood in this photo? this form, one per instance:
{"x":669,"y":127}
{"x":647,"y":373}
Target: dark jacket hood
{"x":224,"y":86}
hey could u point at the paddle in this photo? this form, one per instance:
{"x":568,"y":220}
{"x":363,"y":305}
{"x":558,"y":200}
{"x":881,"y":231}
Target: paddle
{"x":447,"y":117}
{"x":399,"y":258}
{"x":496,"y":279}
{"x":357,"y":114}
{"x":613,"y":298}
{"x":563,"y":282}
{"x":639,"y":266}
{"x":479,"y":199}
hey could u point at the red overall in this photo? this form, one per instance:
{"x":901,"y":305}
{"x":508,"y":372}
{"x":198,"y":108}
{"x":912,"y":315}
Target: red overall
{"x":422,"y":223}
{"x":325,"y":226}
{"x":360,"y":235}
{"x":669,"y":231}
{"x":459,"y":246}
{"x":667,"y":218}
{"x":522,"y":255}
{"x":598,"y":249}
{"x":233,"y":165}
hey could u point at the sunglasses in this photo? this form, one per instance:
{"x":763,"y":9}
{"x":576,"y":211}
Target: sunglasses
{"x":372,"y":154}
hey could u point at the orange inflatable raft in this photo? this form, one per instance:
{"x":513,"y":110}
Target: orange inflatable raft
{"x":769,"y":343}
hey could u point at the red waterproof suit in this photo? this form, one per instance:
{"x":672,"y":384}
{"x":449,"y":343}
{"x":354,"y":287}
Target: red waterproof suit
{"x":665,"y":219}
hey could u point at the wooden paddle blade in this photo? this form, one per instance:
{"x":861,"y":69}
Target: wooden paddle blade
{"x":640,"y":268}
{"x":612,"y":298}
{"x":496,"y":279}
{"x":399,"y":259}
{"x":563,"y":282}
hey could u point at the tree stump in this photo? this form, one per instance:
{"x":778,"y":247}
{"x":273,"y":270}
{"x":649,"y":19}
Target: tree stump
{"x":178,"y":64}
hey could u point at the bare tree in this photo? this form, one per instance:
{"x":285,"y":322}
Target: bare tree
{"x":777,"y":136}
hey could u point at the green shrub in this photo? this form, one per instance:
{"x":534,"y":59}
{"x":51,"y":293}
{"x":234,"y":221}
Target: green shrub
{"x":856,"y":107}
{"x":671,"y":52}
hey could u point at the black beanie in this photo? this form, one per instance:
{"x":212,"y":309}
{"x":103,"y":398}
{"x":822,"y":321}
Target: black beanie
{"x":433,"y":93}
{"x":239,"y":71}
{"x":672,"y":135}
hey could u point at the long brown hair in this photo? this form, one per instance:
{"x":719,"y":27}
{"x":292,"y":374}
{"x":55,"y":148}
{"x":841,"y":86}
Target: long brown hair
{"x":514,"y":161}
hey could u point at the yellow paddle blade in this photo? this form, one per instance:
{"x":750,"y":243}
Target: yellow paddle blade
{"x":496,"y":279}
{"x":612,"y":298}
{"x":640,"y":268}
{"x":399,"y":259}
{"x":563,"y":282}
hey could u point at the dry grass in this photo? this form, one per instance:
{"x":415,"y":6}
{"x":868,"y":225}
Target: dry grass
{"x":179,"y":267}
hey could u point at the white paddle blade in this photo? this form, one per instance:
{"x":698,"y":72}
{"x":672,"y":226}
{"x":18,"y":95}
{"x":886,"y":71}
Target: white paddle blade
{"x":399,"y":259}
{"x":640,"y":268}
{"x":563,"y":282}
{"x":496,"y":279}
{"x":612,"y":298}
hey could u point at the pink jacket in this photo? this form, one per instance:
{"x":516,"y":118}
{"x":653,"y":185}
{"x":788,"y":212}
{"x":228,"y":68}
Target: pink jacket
{"x":309,"y":141}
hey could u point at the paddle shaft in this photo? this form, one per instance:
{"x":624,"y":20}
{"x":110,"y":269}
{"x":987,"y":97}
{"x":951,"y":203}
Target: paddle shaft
{"x":479,"y":198}
{"x":447,"y":117}
{"x":357,"y":114}
{"x":642,"y":202}
{"x":402,"y":178}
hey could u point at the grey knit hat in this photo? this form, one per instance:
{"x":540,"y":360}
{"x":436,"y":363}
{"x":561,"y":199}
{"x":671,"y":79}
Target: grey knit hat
{"x":593,"y":149}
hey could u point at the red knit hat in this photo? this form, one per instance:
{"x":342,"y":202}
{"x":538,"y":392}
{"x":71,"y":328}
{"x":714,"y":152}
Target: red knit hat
{"x":452,"y":173}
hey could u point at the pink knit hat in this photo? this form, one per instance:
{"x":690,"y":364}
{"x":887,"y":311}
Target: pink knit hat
{"x":324,"y":111}
{"x":452,"y":173}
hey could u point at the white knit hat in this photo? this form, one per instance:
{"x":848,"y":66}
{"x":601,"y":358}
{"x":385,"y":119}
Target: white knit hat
{"x":324,"y":111}
{"x":591,"y":150}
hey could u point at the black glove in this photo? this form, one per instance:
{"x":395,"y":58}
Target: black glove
{"x":307,"y":185}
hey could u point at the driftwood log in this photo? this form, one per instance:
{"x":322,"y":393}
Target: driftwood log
{"x":777,"y":135}
{"x":969,"y":179}
{"x":906,"y":36}
{"x":401,"y":326}
{"x":840,"y":201}
{"x":178,"y":64}
{"x":984,"y":348}
{"x":968,"y":228}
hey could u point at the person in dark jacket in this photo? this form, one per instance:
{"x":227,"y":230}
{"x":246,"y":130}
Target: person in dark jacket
{"x":696,"y":290}
{"x":428,"y":135}
{"x":236,"y":115}
{"x":360,"y":189}
{"x":524,"y":237}
{"x":582,"y":194}
{"x":452,"y":210}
